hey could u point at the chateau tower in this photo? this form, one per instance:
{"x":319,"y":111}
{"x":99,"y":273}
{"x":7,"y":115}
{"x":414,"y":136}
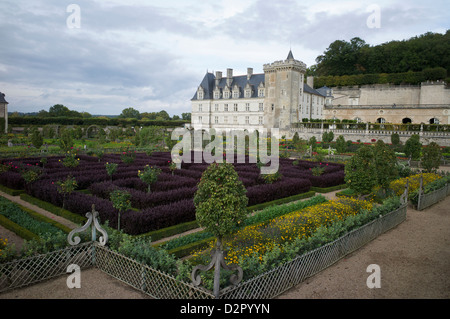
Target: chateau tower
{"x":4,"y":111}
{"x":284,"y":92}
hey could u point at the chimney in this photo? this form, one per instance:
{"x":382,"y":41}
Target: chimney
{"x":310,"y":81}
{"x":229,"y":76}
{"x":249,"y":73}
{"x":218,"y":77}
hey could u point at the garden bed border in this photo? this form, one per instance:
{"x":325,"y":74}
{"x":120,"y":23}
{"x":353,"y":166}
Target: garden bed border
{"x":157,"y":284}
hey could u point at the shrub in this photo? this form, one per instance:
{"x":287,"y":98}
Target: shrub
{"x":360,"y":171}
{"x":413,"y":147}
{"x":431,"y":157}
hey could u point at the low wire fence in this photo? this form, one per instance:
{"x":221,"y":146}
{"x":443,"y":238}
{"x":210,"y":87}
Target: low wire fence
{"x":23,"y":272}
{"x":275,"y":282}
{"x":426,"y":200}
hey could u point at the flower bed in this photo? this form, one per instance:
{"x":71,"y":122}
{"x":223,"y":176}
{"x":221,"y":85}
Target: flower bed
{"x":171,"y":199}
{"x":398,"y":186}
{"x":257,"y":240}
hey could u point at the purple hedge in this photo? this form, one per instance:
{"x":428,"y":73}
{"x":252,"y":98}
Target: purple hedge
{"x":171,"y":199}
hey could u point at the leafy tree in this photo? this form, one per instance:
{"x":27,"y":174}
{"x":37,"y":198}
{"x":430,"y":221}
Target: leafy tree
{"x":66,"y":140}
{"x":360,"y":171}
{"x":36,"y":139}
{"x":186,"y":116}
{"x":130,"y":113}
{"x":149,"y":176}
{"x":341,"y":145}
{"x":121,"y":200}
{"x":413,"y":147}
{"x":111,"y":168}
{"x":327,"y":137}
{"x":395,"y":139}
{"x":431,"y":157}
{"x":220,"y":200}
{"x":313,"y":143}
{"x":385,"y":164}
{"x":66,"y":187}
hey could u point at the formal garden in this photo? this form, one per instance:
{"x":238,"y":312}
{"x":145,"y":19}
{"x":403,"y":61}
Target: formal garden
{"x":173,"y":222}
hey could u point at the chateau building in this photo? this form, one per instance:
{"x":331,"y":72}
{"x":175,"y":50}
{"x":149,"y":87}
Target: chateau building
{"x":281,"y":97}
{"x":276,"y":98}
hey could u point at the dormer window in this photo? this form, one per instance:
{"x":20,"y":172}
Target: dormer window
{"x":261,"y":90}
{"x":200,"y":93}
{"x":236,"y":92}
{"x":216,"y":93}
{"x":226,"y":93}
{"x":248,"y":91}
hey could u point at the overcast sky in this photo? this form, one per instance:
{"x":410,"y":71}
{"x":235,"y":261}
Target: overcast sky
{"x":152,"y":55}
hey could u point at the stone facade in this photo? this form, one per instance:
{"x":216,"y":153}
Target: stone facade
{"x":428,"y":103}
{"x":275,"y":99}
{"x":4,"y":110}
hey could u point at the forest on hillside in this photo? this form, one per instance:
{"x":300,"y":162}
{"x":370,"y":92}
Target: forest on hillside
{"x":356,"y":57}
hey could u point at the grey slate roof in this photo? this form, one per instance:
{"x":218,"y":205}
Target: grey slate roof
{"x":208,"y":84}
{"x":2,"y":98}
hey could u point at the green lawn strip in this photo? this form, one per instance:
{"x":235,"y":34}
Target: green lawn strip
{"x":17,"y":229}
{"x":10,"y":191}
{"x":328,"y":189}
{"x":23,"y":218}
{"x":78,"y":219}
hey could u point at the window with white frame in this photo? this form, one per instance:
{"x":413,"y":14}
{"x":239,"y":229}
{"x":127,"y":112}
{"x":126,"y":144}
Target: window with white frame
{"x":226,"y":107}
{"x":216,"y":107}
{"x":247,"y":120}
{"x":261,"y":92}
{"x":261,"y":120}
{"x":261,"y":107}
{"x":235,"y":107}
{"x":200,"y":108}
{"x":247,"y":107}
{"x":216,"y":120}
{"x":235,"y":119}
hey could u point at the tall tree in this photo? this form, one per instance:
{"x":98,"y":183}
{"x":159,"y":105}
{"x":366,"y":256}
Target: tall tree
{"x":130,"y":113}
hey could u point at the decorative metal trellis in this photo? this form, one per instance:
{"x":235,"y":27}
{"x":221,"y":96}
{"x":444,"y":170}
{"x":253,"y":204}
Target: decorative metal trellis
{"x":157,"y":284}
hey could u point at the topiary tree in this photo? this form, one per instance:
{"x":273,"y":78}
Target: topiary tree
{"x":341,"y":145}
{"x":121,"y":200}
{"x":221,"y":205}
{"x":431,"y":157}
{"x":36,"y":139}
{"x":395,"y":139}
{"x":385,"y":164}
{"x":66,"y":187}
{"x":149,"y":175}
{"x":220,"y":200}
{"x":413,"y":147}
{"x":360,"y":171}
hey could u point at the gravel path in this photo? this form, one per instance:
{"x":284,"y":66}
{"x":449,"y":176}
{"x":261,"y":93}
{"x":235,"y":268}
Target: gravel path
{"x":414,"y":259}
